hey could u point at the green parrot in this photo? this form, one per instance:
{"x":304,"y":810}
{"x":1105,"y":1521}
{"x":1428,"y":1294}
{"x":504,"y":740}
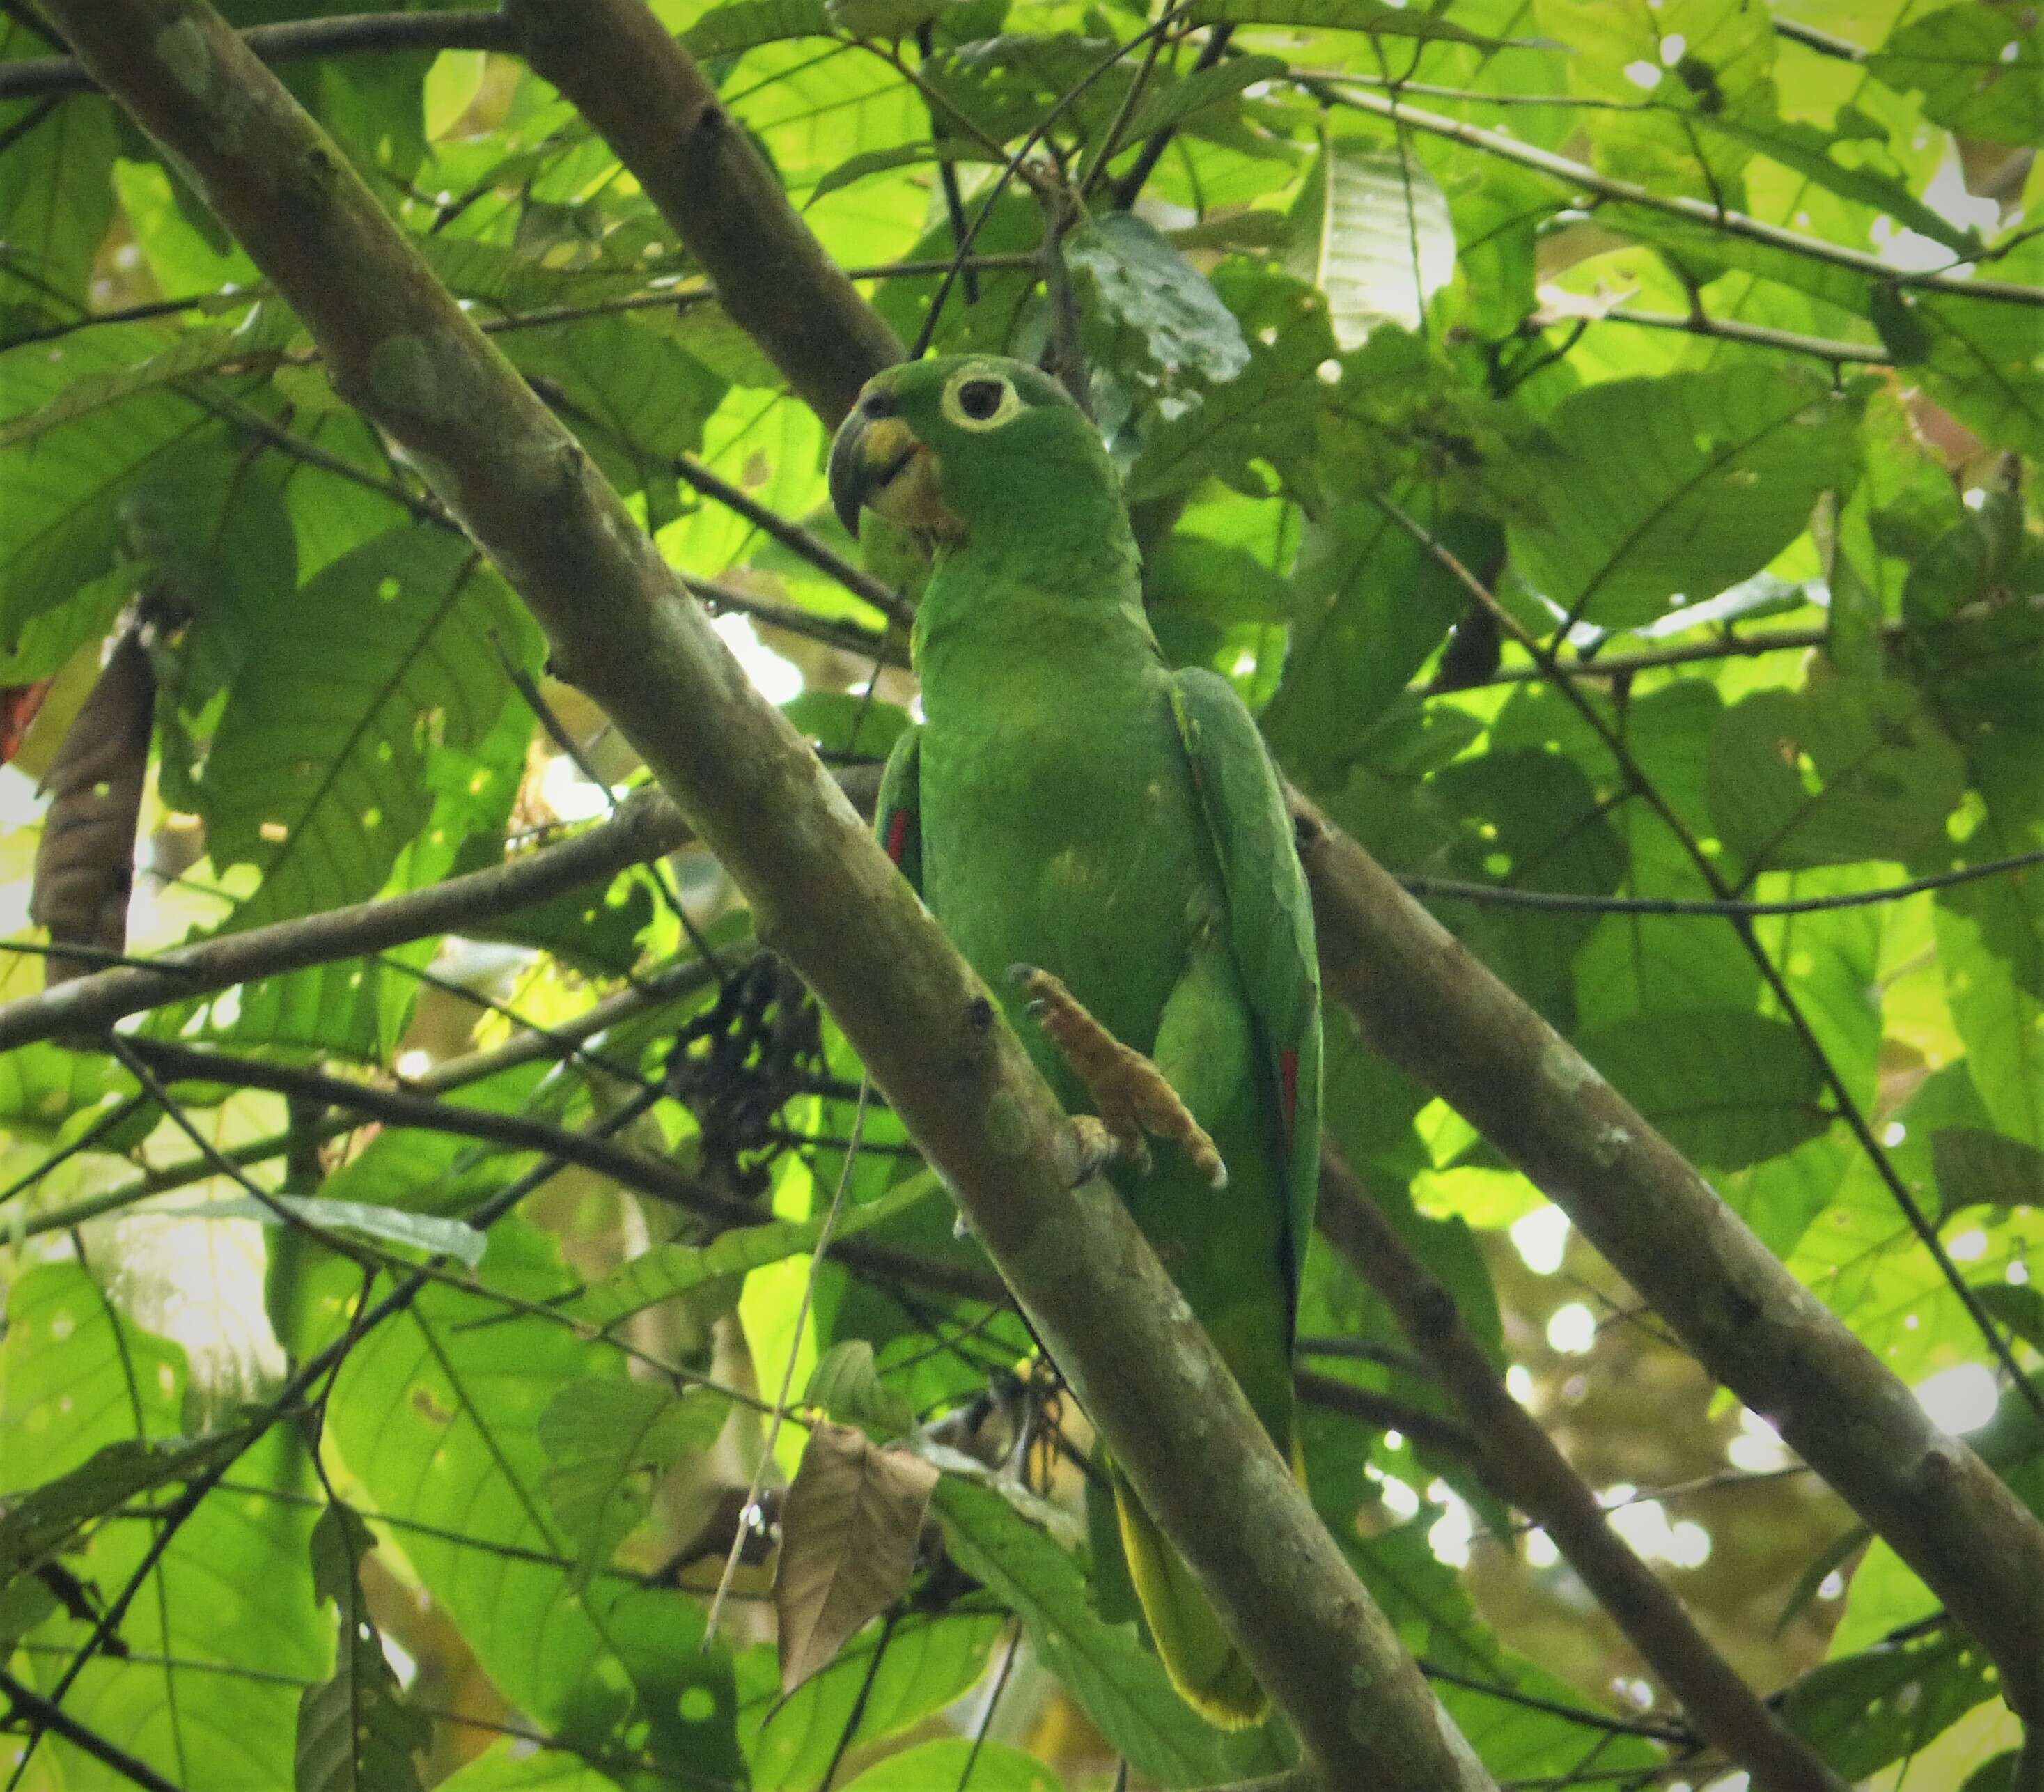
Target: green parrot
{"x":1072,"y":807}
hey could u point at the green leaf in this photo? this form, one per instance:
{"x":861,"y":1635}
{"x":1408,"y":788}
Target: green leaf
{"x":1386,"y":245}
{"x":1267,"y":412}
{"x":1650,"y":490}
{"x":669,"y":1270}
{"x":56,"y":191}
{"x":845,"y":1383}
{"x":1120,"y":1683}
{"x":1169,"y":104}
{"x":64,"y":1395}
{"x":1976,"y":1168}
{"x":515,"y":1766}
{"x":1980,"y":69}
{"x":231,"y":1591}
{"x":356,"y":1732}
{"x":62,"y":519}
{"x":1999,"y":1015}
{"x":958,"y":1761}
{"x":437,"y":1413}
{"x":725,"y":30}
{"x":847,"y":722}
{"x":925,"y":1663}
{"x":1871,"y":1708}
{"x":1375,"y":16}
{"x":48,"y":1518}
{"x":610,"y":1441}
{"x":422,"y":1231}
{"x":1845,"y":769}
{"x":256,"y":338}
{"x":902,"y":155}
{"x":317,"y":774}
{"x":891,"y":20}
{"x":1728,"y":1088}
{"x":1157,"y":318}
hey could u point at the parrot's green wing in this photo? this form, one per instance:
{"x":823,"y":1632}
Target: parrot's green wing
{"x":1270,"y":917}
{"x":898,"y":817}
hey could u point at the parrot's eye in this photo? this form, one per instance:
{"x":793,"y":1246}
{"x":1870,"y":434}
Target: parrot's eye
{"x":981,"y":401}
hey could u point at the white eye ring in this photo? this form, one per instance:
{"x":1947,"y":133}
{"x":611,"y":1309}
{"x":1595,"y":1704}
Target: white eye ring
{"x":953,"y":407}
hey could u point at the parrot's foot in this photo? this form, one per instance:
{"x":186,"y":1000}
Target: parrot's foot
{"x":1136,"y":1104}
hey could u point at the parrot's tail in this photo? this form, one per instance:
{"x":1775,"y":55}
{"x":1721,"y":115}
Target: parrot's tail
{"x":1203,"y":1663}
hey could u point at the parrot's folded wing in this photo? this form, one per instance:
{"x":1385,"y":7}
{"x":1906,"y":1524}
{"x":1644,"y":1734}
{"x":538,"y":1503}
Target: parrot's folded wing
{"x":898,"y":817}
{"x":1270,"y":917}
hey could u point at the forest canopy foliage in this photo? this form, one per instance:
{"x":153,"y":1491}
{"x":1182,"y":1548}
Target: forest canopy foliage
{"x":1596,"y":437}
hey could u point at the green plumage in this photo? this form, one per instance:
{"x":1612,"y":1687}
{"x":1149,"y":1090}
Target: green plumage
{"x":1072,"y":803}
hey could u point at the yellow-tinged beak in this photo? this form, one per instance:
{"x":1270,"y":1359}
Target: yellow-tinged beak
{"x":878,"y":462}
{"x":870,"y":453}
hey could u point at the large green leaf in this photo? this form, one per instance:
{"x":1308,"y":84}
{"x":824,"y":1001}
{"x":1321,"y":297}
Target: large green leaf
{"x":635,"y":396}
{"x":317,"y":774}
{"x":56,"y":189}
{"x":1980,"y":68}
{"x":437,"y":1413}
{"x":62,"y":518}
{"x":609,"y":1440}
{"x":1155,"y":320}
{"x":1386,"y":243}
{"x":1654,"y":490}
{"x":1845,"y":769}
{"x":1871,"y":1708}
{"x":889,"y":1678}
{"x":232,"y":1590}
{"x":1120,"y":1682}
{"x":1728,"y":1088}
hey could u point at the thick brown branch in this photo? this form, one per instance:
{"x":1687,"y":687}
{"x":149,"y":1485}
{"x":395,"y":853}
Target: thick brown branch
{"x":1519,"y":1460}
{"x":651,"y":104}
{"x":924,"y":1027}
{"x":1433,"y":1009}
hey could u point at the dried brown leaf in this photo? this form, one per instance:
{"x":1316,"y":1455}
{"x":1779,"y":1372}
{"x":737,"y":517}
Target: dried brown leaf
{"x":848,"y":1533}
{"x":18,"y":705}
{"x":85,"y":864}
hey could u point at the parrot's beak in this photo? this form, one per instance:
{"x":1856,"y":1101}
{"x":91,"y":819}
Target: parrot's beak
{"x":869,"y":453}
{"x":877,"y":462}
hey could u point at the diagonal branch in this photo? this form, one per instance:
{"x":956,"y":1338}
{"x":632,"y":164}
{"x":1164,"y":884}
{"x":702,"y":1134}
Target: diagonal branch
{"x":1518,"y":1458}
{"x":1432,"y":1008}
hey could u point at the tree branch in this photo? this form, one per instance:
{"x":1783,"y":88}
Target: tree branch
{"x":649,"y":101}
{"x":923,"y":1025}
{"x":643,"y":828}
{"x":1519,"y":1458}
{"x":1441,"y":1016}
{"x":294,"y":41}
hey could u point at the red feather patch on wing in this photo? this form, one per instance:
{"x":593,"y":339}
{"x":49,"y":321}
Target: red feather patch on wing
{"x":898,"y":834}
{"x":1288,"y":1080}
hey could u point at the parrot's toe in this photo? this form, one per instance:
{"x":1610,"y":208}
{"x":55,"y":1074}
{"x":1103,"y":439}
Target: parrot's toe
{"x":1096,"y":1147}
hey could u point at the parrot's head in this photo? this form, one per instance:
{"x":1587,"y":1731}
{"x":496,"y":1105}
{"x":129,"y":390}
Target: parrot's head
{"x":971,"y":449}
